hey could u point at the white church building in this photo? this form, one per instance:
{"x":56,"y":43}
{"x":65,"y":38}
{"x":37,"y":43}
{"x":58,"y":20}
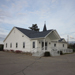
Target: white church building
{"x":35,"y":42}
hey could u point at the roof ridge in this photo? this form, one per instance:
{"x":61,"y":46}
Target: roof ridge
{"x":25,"y":29}
{"x":33,"y":34}
{"x":32,"y":30}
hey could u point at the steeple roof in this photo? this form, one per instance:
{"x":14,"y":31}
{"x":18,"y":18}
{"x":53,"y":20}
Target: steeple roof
{"x":45,"y":29}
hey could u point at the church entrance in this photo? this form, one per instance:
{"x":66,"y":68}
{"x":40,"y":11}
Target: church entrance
{"x":45,"y":45}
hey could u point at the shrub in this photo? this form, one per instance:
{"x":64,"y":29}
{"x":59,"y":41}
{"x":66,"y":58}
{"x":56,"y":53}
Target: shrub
{"x":1,"y":47}
{"x":12,"y":50}
{"x":61,"y":53}
{"x":73,"y":50}
{"x":7,"y":50}
{"x":47,"y":54}
{"x":3,"y":50}
{"x":18,"y":51}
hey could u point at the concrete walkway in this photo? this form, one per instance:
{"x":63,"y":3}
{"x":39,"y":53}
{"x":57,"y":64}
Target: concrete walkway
{"x":21,"y":64}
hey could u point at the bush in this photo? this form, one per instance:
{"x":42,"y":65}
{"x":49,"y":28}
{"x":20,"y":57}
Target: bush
{"x":7,"y":50}
{"x":47,"y":54}
{"x":73,"y":50}
{"x":1,"y":47}
{"x":61,"y":53}
{"x":12,"y":50}
{"x":3,"y":50}
{"x":18,"y":51}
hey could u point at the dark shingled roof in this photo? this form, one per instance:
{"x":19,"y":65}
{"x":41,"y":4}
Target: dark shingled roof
{"x":33,"y":34}
{"x":61,"y":39}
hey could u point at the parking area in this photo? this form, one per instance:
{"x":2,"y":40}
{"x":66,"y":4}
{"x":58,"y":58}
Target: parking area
{"x":21,"y":64}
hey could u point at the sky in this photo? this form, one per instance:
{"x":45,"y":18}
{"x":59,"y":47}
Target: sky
{"x":58,"y":14}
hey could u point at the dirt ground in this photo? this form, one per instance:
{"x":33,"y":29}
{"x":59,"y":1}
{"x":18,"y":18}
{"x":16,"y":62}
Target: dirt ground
{"x":21,"y":64}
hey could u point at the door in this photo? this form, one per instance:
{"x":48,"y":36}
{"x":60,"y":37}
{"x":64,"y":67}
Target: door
{"x":43,"y":45}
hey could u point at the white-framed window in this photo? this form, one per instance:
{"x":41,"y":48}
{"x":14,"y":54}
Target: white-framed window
{"x":33,"y":44}
{"x":16,"y":45}
{"x":63,"y":45}
{"x":10,"y":45}
{"x":23,"y":44}
{"x":54,"y":45}
{"x":6,"y":45}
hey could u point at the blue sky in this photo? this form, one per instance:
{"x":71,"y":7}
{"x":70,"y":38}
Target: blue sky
{"x":58,"y":14}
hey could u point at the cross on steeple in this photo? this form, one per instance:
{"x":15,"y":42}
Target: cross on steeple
{"x":45,"y":29}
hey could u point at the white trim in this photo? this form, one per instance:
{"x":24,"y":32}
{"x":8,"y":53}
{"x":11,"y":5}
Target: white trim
{"x":37,"y":38}
{"x":58,"y":42}
{"x":49,"y":33}
{"x":11,"y":31}
{"x":8,"y":34}
{"x":44,"y":45}
{"x":22,"y":33}
{"x":42,"y":37}
{"x":56,"y":33}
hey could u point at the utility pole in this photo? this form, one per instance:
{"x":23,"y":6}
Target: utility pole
{"x":67,"y":38}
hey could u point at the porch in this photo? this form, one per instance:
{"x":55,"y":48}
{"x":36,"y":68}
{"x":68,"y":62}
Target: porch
{"x":53,"y":51}
{"x":40,"y":51}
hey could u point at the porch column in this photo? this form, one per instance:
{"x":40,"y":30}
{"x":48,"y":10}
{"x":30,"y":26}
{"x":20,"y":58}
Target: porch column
{"x":57,"y":46}
{"x":44,"y":45}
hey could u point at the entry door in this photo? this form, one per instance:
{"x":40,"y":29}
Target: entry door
{"x":43,"y":45}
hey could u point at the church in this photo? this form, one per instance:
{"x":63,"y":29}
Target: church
{"x":36,"y":43}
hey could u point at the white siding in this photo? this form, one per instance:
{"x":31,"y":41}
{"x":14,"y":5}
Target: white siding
{"x":48,"y":40}
{"x":52,"y":45}
{"x":17,"y":37}
{"x":59,"y":45}
{"x":32,"y":44}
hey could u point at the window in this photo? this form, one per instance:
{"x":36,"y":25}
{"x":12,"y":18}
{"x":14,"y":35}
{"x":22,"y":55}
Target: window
{"x":49,"y":43}
{"x":54,"y":45}
{"x":22,"y":35}
{"x":10,"y":45}
{"x":63,"y":45}
{"x":16,"y":45}
{"x":33,"y":44}
{"x":6,"y":45}
{"x":23,"y":44}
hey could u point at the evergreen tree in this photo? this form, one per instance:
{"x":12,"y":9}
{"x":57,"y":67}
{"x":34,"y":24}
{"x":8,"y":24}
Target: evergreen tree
{"x":34,"y":27}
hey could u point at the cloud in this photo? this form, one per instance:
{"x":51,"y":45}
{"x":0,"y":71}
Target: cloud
{"x":7,"y":0}
{"x":4,"y":15}
{"x":71,"y":37}
{"x":18,"y":5}
{"x":3,"y":34}
{"x":3,"y":31}
{"x":4,"y":6}
{"x":58,"y":14}
{"x":53,"y":1}
{"x":22,"y":14}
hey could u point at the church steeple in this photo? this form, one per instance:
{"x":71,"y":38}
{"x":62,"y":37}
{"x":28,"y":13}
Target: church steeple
{"x":45,"y":29}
